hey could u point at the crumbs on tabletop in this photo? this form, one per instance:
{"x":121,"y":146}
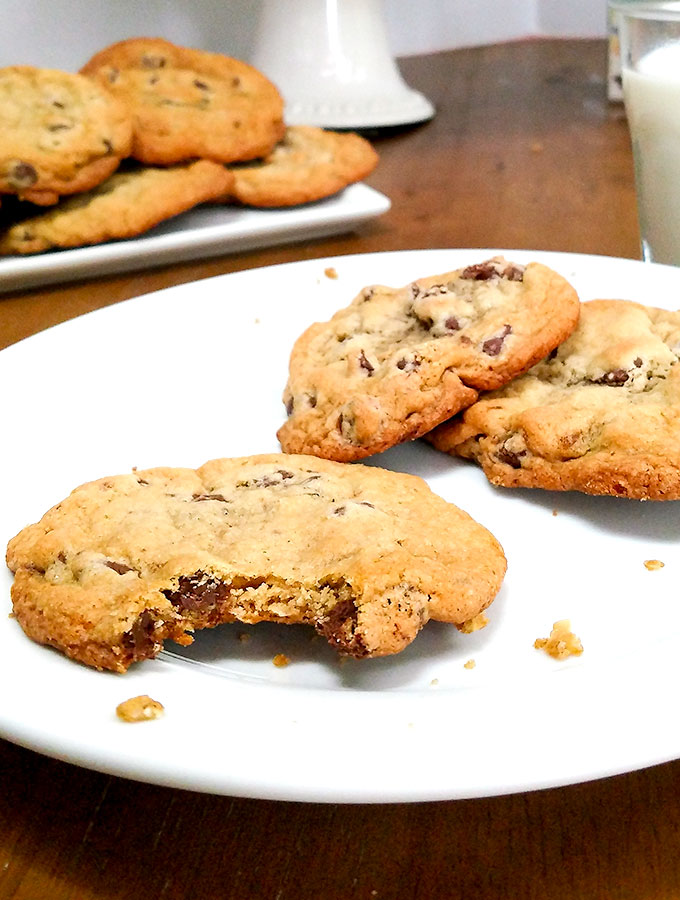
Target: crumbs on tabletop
{"x":653,"y":564}
{"x":561,"y":643}
{"x":139,"y":709}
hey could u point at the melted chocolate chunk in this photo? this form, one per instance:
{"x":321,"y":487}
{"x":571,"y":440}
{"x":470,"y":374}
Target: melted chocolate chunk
{"x":197,"y":593}
{"x":139,"y":639}
{"x":510,"y":458}
{"x":485,"y":271}
{"x":339,"y":629}
{"x":452,"y":324}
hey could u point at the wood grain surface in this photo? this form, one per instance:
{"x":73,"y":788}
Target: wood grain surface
{"x":524,"y":152}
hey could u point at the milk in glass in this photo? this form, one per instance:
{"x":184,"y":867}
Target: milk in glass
{"x":652,"y":99}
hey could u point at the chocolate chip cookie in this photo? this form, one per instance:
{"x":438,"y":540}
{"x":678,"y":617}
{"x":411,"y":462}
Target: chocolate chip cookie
{"x":189,"y":103}
{"x":127,"y":204}
{"x":306,"y":165}
{"x":61,"y":133}
{"x":600,"y":415}
{"x":364,"y":555}
{"x":397,"y":362}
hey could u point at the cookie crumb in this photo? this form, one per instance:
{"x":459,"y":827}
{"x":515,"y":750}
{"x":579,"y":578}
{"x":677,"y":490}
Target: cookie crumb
{"x":470,"y":664}
{"x":476,"y":623}
{"x":653,"y":564}
{"x":554,"y":512}
{"x":561,"y":643}
{"x":139,"y":709}
{"x":330,"y":272}
{"x":281,"y":660}
{"x":434,"y":682}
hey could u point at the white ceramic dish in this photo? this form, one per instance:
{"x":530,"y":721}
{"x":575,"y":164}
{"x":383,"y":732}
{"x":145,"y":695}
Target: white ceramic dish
{"x":195,"y":372}
{"x":208,"y":230}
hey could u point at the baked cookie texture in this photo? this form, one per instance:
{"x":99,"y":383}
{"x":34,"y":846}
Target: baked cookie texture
{"x":62,"y":133}
{"x":188,"y":103}
{"x":396,"y":362}
{"x":600,"y":415}
{"x":365,"y":555}
{"x":306,"y":165}
{"x":127,"y":204}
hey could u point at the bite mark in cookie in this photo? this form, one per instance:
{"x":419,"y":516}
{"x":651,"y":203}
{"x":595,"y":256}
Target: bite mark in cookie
{"x":364,"y":555}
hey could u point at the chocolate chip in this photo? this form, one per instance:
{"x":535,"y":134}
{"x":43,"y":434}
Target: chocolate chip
{"x":339,"y":510}
{"x":142,"y":481}
{"x":236,"y":81}
{"x":492,"y":268}
{"x":290,"y":406}
{"x":22,"y":175}
{"x":552,"y":354}
{"x":59,"y":126}
{"x":452,"y":324}
{"x":637,"y":362}
{"x":58,"y":104}
{"x":365,"y":364}
{"x":153,"y":62}
{"x":494,"y":345}
{"x":201,"y":85}
{"x":510,"y":458}
{"x":120,"y":568}
{"x":615,"y":378}
{"x":408,"y":365}
{"x":218,"y":497}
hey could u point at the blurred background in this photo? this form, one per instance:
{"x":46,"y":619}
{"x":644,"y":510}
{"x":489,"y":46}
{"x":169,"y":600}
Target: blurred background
{"x":63,"y":34}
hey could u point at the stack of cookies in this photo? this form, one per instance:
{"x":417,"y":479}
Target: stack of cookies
{"x":499,"y":363}
{"x":147,"y":130}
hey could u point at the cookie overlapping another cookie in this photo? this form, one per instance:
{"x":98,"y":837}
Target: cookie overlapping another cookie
{"x":189,"y":103}
{"x":396,"y":362}
{"x":600,"y":415}
{"x":365,"y":555}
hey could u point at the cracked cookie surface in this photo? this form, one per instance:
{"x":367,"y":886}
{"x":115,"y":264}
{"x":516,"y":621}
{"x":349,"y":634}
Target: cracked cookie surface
{"x":127,"y":204}
{"x":188,"y":103}
{"x":307,"y":164}
{"x":364,"y":555}
{"x":61,"y":133}
{"x":600,"y":415}
{"x":397,"y":362}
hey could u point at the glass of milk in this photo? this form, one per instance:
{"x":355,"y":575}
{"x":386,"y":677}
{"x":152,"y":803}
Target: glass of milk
{"x":650,"y":64}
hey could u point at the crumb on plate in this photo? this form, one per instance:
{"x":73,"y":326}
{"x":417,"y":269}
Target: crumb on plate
{"x":474,"y":624}
{"x":330,"y":272}
{"x":139,"y":709}
{"x":470,"y":664}
{"x":561,"y":643}
{"x":281,"y":660}
{"x":653,"y":564}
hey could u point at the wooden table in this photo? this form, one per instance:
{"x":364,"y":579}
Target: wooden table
{"x":524,"y":152}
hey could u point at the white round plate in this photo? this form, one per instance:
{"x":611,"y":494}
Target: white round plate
{"x":196,"y":372}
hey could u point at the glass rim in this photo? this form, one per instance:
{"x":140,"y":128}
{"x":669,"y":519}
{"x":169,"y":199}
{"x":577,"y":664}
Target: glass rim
{"x":642,"y":9}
